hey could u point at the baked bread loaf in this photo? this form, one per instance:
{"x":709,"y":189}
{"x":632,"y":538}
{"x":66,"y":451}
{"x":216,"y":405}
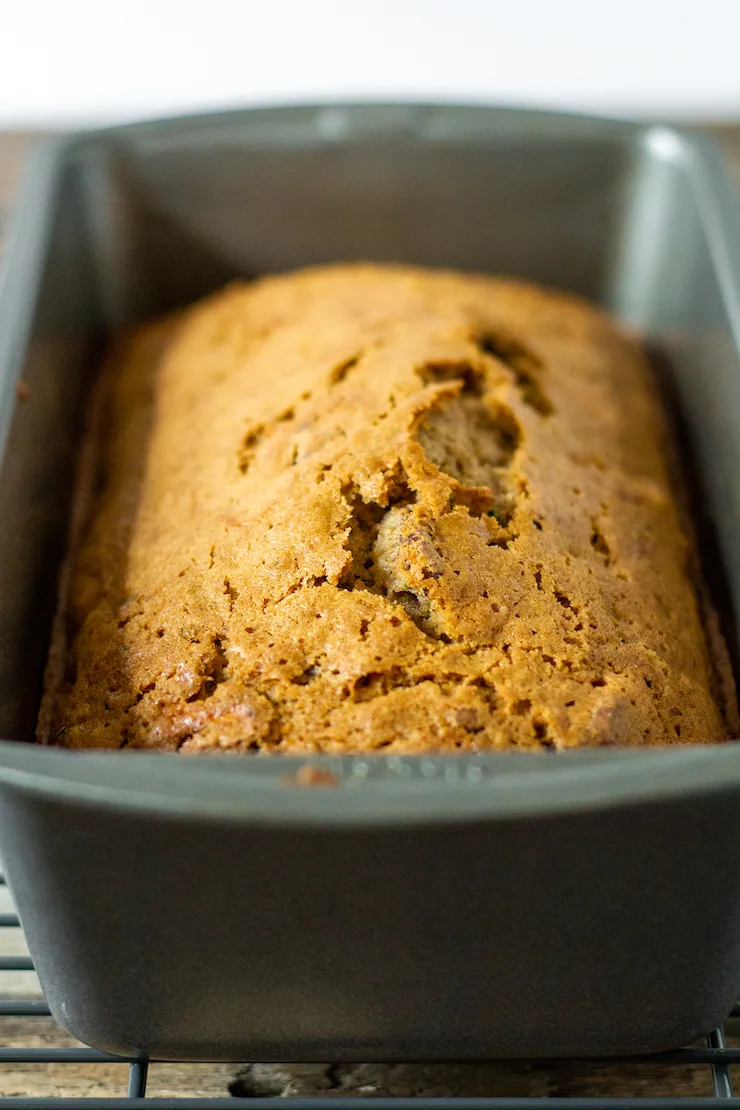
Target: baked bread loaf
{"x":375,"y":508}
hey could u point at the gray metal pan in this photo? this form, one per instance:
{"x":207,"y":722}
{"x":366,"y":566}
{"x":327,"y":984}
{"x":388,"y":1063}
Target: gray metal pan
{"x":430,"y":908}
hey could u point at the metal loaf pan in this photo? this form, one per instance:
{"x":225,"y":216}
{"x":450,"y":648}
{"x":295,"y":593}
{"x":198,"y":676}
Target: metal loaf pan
{"x":433,"y":908}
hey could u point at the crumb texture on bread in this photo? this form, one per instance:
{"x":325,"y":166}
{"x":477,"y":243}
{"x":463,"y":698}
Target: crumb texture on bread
{"x":379,"y":508}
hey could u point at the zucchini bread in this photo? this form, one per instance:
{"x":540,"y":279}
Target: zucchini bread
{"x":365,"y":508}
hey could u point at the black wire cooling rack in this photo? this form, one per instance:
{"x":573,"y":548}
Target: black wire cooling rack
{"x":715,"y":1056}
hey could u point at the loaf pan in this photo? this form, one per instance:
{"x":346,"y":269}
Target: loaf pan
{"x":441,"y":908}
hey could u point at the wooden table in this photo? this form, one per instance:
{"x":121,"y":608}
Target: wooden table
{"x":208,"y":1080}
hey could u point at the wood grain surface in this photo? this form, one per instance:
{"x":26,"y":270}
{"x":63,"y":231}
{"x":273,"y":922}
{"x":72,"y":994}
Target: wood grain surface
{"x":210,"y":1080}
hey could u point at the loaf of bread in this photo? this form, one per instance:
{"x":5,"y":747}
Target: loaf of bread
{"x":375,"y":508}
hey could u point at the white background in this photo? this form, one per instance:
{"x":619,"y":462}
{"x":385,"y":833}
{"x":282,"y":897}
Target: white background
{"x":78,"y":61}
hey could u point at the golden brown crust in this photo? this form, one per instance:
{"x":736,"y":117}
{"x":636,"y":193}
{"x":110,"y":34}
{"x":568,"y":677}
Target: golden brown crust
{"x":375,"y":507}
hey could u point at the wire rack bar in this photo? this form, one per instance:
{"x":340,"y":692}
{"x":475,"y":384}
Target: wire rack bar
{"x":697,"y":1055}
{"x":16,"y":963}
{"x":59,"y":1056}
{"x":715,"y":1055}
{"x":270,"y":1103}
{"x":137,"y":1079}
{"x":24,"y":1007}
{"x":718,"y":1058}
{"x":720,"y":1072}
